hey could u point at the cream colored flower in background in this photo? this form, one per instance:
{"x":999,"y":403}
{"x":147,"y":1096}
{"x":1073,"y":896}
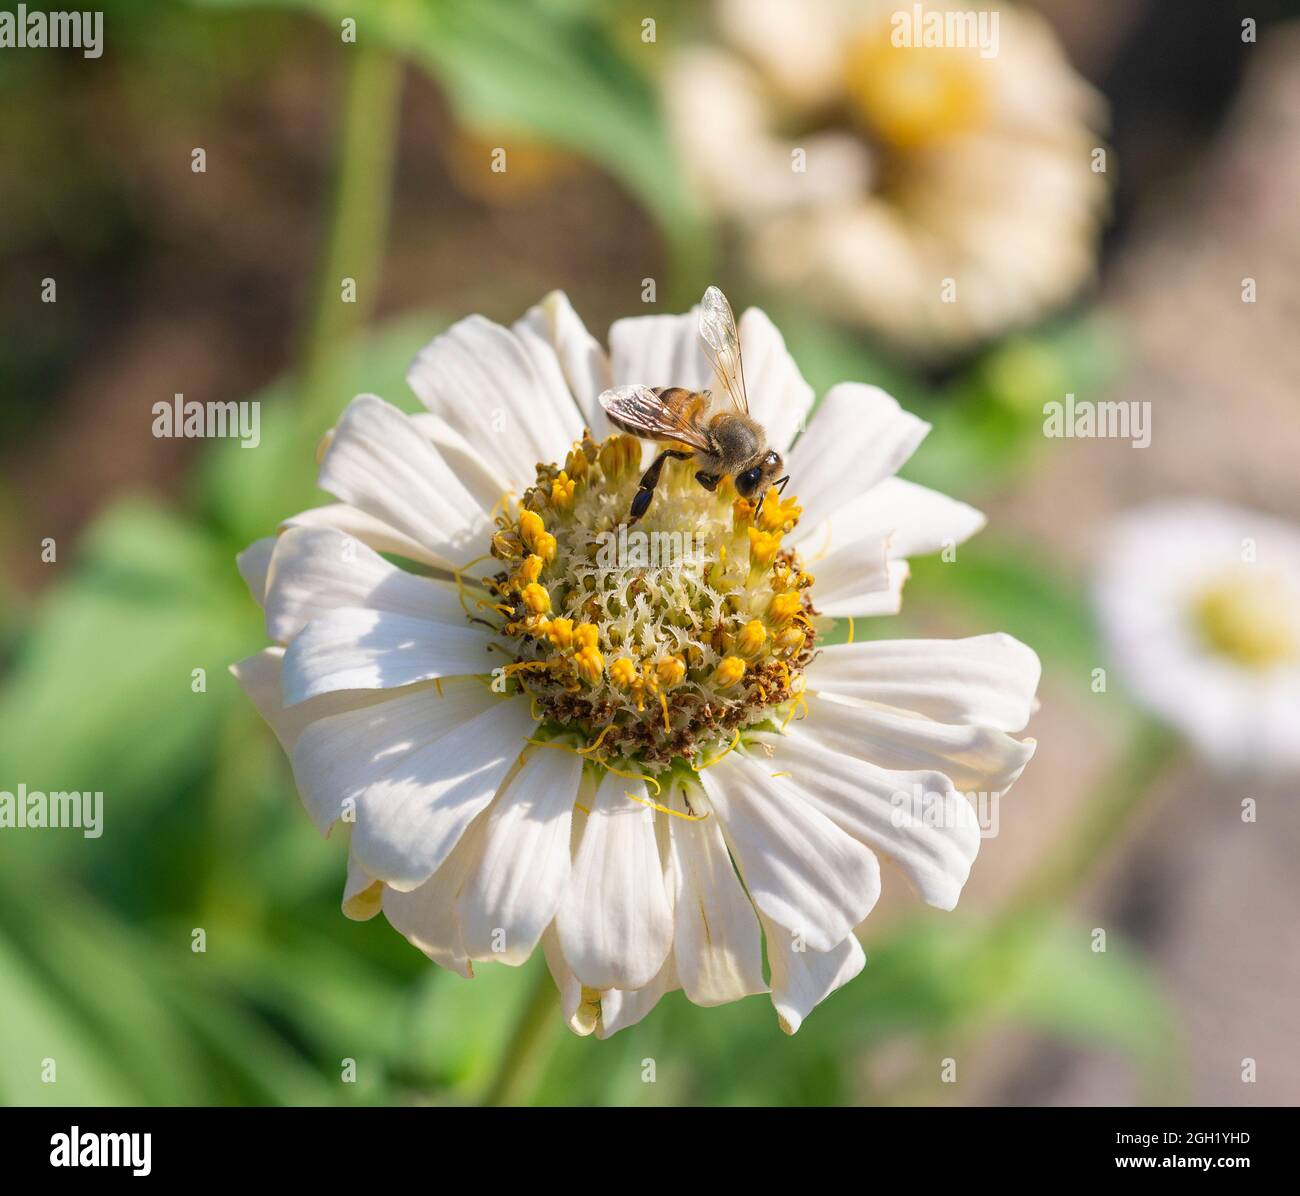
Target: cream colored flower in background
{"x":645,"y":772}
{"x":1200,"y":604}
{"x":864,"y":174}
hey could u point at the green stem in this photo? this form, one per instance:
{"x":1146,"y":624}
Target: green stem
{"x":525,"y":1054}
{"x":357,"y":223}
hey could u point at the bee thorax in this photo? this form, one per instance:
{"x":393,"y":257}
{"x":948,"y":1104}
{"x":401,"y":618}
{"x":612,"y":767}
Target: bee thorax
{"x":737,"y":440}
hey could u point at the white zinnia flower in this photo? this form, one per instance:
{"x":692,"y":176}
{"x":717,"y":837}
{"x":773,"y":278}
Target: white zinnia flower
{"x":866,"y":173}
{"x":667,"y":769}
{"x":1200,"y":604}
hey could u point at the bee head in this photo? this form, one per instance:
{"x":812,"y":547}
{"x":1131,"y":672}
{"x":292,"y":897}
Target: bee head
{"x":758,"y":477}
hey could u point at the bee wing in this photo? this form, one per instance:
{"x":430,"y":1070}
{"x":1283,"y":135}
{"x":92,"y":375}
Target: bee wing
{"x":722,"y":346}
{"x":637,"y":409}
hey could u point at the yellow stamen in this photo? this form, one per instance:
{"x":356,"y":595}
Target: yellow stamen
{"x":537,"y":598}
{"x":735,"y":739}
{"x":670,"y":671}
{"x":595,"y":743}
{"x":560,"y":633}
{"x":590,"y":664}
{"x":784,"y":606}
{"x":562,"y":492}
{"x":623,"y":673}
{"x":729,"y":671}
{"x":654,"y":805}
{"x":529,"y":571}
{"x":763,"y":547}
{"x":663,"y":705}
{"x":633,"y":776}
{"x":790,"y":640}
{"x":751,"y":638}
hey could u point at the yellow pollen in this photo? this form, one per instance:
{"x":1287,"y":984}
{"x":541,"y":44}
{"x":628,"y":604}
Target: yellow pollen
{"x":790,"y":640}
{"x":623,"y":673}
{"x":763,"y":547}
{"x":531,"y":526}
{"x":728,"y":672}
{"x":670,"y":671}
{"x":545,"y":546}
{"x":590,"y":664}
{"x":562,"y":492}
{"x":752,"y":637}
{"x":784,"y":606}
{"x":586,"y":635}
{"x":776,"y":515}
{"x":536,"y":598}
{"x":559,"y":633}
{"x":575,"y":464}
{"x":529,"y":571}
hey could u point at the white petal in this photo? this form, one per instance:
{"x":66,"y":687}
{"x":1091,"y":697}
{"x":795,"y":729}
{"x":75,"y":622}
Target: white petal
{"x":469,"y":465}
{"x":336,"y":757}
{"x":659,"y":351}
{"x":858,"y":437}
{"x":370,"y":649}
{"x":801,"y":870}
{"x":987,"y":679}
{"x":916,"y":519}
{"x":803,"y":979}
{"x":259,"y":676}
{"x":515,"y":889}
{"x":253,"y":564}
{"x":857,"y":578}
{"x":779,"y":398}
{"x":615,"y":922}
{"x":976,"y":759}
{"x":363,"y":896}
{"x":380,"y":462}
{"x":372,"y":532}
{"x":916,"y":818}
{"x":505,"y":395}
{"x":318,"y":569}
{"x":583,"y":361}
{"x":717,"y":943}
{"x":426,"y":915}
{"x":580,"y":1007}
{"x":410,"y":818}
{"x":620,"y":1009}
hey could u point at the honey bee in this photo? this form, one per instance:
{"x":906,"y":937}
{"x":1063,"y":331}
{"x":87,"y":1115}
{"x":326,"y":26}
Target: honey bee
{"x":724,"y":442}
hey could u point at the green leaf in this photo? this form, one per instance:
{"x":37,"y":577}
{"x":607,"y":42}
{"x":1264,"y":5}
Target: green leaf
{"x":100,"y":696}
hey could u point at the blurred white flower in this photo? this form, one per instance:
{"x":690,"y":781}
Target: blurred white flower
{"x":1200,"y":605}
{"x":644,"y":772}
{"x":865,"y":173}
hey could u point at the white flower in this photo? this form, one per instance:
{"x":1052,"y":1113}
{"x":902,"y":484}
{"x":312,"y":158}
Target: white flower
{"x":866,"y":173}
{"x":643,"y":728}
{"x":1200,"y":604}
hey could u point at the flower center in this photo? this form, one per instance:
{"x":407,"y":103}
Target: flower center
{"x":911,"y":96}
{"x":1248,"y":619}
{"x":657,"y":643}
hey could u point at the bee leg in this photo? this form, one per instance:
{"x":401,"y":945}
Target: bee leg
{"x":708,"y":480}
{"x":649,"y":480}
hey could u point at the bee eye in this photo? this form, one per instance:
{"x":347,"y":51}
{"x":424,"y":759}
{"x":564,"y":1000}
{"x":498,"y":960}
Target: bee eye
{"x":748,"y":481}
